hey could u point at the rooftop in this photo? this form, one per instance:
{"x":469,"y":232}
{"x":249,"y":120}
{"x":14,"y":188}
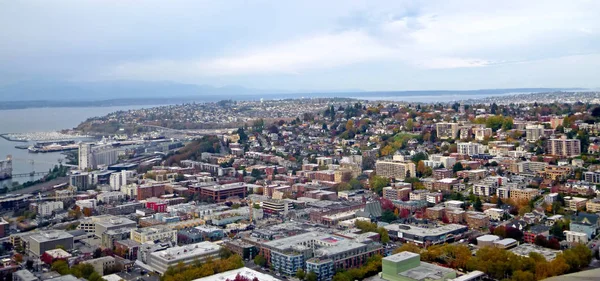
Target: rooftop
{"x":187,"y":251}
{"x":244,"y":271}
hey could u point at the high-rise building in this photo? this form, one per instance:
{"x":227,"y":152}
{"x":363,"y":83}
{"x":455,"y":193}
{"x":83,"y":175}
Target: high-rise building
{"x":470,"y":148}
{"x":85,"y":161}
{"x":395,"y":170}
{"x":564,"y":147}
{"x":446,"y":130}
{"x":534,"y":132}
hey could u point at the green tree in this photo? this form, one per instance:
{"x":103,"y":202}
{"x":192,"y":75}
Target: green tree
{"x":457,"y":167}
{"x":311,"y":276}
{"x":260,"y":260}
{"x":478,"y":206}
{"x":388,"y":216}
{"x":300,"y":274}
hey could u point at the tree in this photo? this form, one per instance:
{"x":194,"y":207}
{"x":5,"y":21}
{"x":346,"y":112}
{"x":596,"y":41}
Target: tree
{"x":311,"y":276}
{"x":478,"y":206}
{"x":409,"y":125}
{"x":260,"y":260}
{"x":388,"y":216}
{"x":300,"y":274}
{"x":457,"y":167}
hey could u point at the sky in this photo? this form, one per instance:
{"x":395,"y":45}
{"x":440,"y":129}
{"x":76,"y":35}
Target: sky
{"x":305,"y":45}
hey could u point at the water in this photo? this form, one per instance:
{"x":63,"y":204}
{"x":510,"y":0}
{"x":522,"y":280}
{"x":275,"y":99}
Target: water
{"x":42,"y":120}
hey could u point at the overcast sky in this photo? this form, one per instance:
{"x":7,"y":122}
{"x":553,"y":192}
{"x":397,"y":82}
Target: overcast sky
{"x":305,"y":45}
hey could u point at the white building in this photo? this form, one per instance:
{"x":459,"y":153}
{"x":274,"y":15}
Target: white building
{"x":110,"y":197}
{"x":47,"y":208}
{"x":87,"y":203}
{"x":470,"y":148}
{"x":534,"y":132}
{"x":576,"y":237}
{"x":160,"y":261}
{"x":494,"y":213}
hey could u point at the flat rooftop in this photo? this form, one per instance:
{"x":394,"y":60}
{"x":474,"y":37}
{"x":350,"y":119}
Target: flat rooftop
{"x":187,"y":251}
{"x":244,"y":271}
{"x":50,"y":235}
{"x":525,"y":249}
{"x":402,"y":256}
{"x":421,"y":231}
{"x":426,"y":271}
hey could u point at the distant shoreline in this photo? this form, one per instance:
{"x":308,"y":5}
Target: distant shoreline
{"x":397,"y":96}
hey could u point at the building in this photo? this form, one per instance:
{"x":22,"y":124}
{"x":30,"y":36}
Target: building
{"x":320,"y":252}
{"x":24,"y":275}
{"x":407,"y":266}
{"x":160,"y":261}
{"x":506,"y":243}
{"x":48,"y":208}
{"x":85,"y":161}
{"x":534,"y":132}
{"x":495,"y":213}
{"x":100,"y":224}
{"x":395,"y":170}
{"x":593,"y":206}
{"x":576,"y":237}
{"x":528,"y":167}
{"x":575,"y":203}
{"x":523,"y":194}
{"x":245,"y":272}
{"x":564,"y":147}
{"x":92,"y":157}
{"x":109,"y":237}
{"x":102,"y":265}
{"x":81,"y":181}
{"x":149,"y":190}
{"x":487,"y":240}
{"x":585,"y":223}
{"x":277,"y":207}
{"x":446,"y":130}
{"x":220,"y":193}
{"x":245,"y":250}
{"x":486,"y":190}
{"x":39,"y":243}
{"x":392,"y":193}
{"x":593,"y":177}
{"x":535,"y":231}
{"x":148,"y":234}
{"x":422,"y":236}
{"x":482,"y":133}
{"x":53,"y":255}
{"x":470,"y":148}
{"x":110,"y":197}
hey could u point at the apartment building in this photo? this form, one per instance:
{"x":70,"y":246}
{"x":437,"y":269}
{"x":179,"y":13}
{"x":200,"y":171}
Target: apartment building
{"x":593,"y":206}
{"x":534,"y":132}
{"x":564,"y":147}
{"x":146,"y":234}
{"x":593,"y":177}
{"x":395,"y":170}
{"x":446,"y":130}
{"x":524,"y":194}
{"x":575,"y":203}
{"x":160,"y":261}
{"x":470,"y":148}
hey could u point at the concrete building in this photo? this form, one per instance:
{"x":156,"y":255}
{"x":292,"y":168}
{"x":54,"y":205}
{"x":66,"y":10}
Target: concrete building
{"x":421,"y":236}
{"x":47,"y":208}
{"x":534,"y":132}
{"x":249,"y":273}
{"x":102,"y":265}
{"x":110,"y":197}
{"x":147,"y":234}
{"x":470,"y":148}
{"x":564,"y":147}
{"x":487,"y":240}
{"x":593,"y":206}
{"x":41,"y":242}
{"x":576,"y":237}
{"x":446,"y":130}
{"x":395,"y":170}
{"x":160,"y":261}
{"x":575,"y":203}
{"x":407,"y":266}
{"x":24,"y":275}
{"x":220,"y":193}
{"x":593,"y":177}
{"x":320,"y":252}
{"x":100,"y":224}
{"x":393,"y":193}
{"x":523,"y":194}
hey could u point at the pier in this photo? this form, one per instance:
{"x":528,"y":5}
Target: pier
{"x":32,"y":174}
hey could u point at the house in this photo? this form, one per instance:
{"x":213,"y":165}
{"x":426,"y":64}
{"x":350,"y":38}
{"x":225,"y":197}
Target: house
{"x":585,"y":223}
